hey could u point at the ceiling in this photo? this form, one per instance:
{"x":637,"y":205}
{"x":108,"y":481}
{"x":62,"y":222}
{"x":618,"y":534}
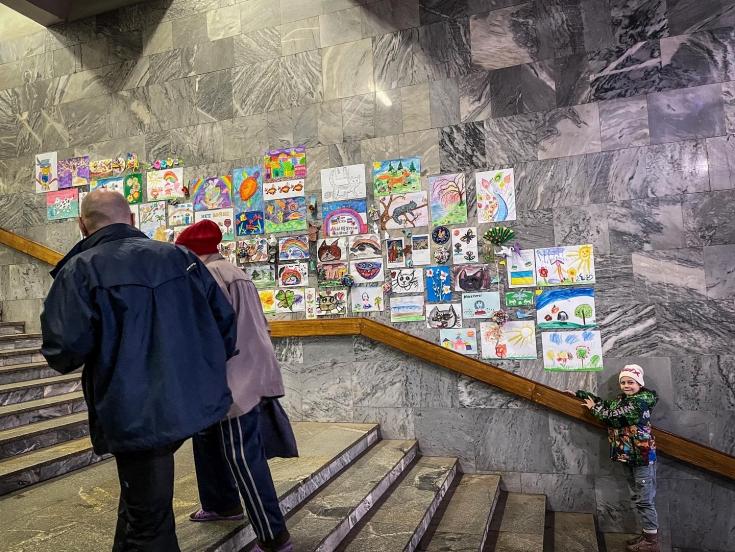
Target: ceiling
{"x":48,"y":12}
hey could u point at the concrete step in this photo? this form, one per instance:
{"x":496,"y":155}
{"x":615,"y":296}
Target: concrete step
{"x":31,"y":390}
{"x":464,"y":522}
{"x":12,"y":328}
{"x":326,"y":519}
{"x":21,"y":356}
{"x":20,"y":341}
{"x":615,"y":542}
{"x":573,"y":532}
{"x":25,"y":372}
{"x":401,"y":521}
{"x":518,"y":523}
{"x":14,"y":415}
{"x":30,"y":437}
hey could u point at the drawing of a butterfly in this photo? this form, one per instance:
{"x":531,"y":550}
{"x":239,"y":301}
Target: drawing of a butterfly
{"x":468,"y":237}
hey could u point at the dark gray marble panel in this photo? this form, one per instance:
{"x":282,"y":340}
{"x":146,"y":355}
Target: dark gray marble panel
{"x":534,"y":228}
{"x":387,"y":16}
{"x":719,"y":265}
{"x":699,"y":58}
{"x":476,"y":394}
{"x":327,"y":392}
{"x":624,"y":123}
{"x":638,"y":20}
{"x":462,"y":147}
{"x":475,"y":96}
{"x":166,"y":66}
{"x":688,"y":113}
{"x":646,"y":224}
{"x":505,"y":37}
{"x":721,"y":159}
{"x":628,"y":329}
{"x":431,"y":11}
{"x":708,"y":218}
{"x":348,"y":69}
{"x":560,"y":27}
{"x":520,"y":89}
{"x":722,"y":370}
{"x":693,"y":385}
{"x":444,"y":49}
{"x":214,"y":96}
{"x":564,"y":492}
{"x":358,"y":117}
{"x":670,"y":275}
{"x":397,"y":61}
{"x":696,"y":327}
{"x":597,"y":25}
{"x":582,"y":224}
{"x":450,"y":432}
{"x":689,"y":16}
{"x":509,"y":140}
{"x":32,"y":416}
{"x":46,"y":439}
{"x":675,"y":168}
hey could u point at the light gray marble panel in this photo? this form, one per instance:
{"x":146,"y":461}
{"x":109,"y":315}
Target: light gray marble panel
{"x":257,"y":88}
{"x":65,"y":61}
{"x":223,"y":22}
{"x":345,"y":153}
{"x":358,"y":117}
{"x":626,"y":177}
{"x":646,"y":224}
{"x":259,"y":14}
{"x":157,"y":38}
{"x":189,"y":30}
{"x":693,"y":383}
{"x":687,"y":113}
{"x":397,"y":60}
{"x":612,"y":497}
{"x":450,"y":432}
{"x":329,"y":124}
{"x":728,"y":102}
{"x":327,"y":393}
{"x":199,"y":144}
{"x":22,"y":46}
{"x":130,"y":113}
{"x":382,"y":383}
{"x":719,"y":267}
{"x":708,"y":218}
{"x":198,"y":59}
{"x":444,"y":102}
{"x":570,"y":131}
{"x":415,"y":107}
{"x":564,"y":493}
{"x":340,"y":26}
{"x":670,"y":275}
{"x":624,"y":123}
{"x":305,"y":125}
{"x":425,"y":144}
{"x":173,"y":104}
{"x":27,"y":281}
{"x":395,"y":423}
{"x":301,"y":78}
{"x":214,"y":96}
{"x":721,"y":159}
{"x":388,"y":112}
{"x":295,"y":10}
{"x":696,"y":327}
{"x":509,"y":140}
{"x":300,"y":36}
{"x":582,"y":224}
{"x":504,"y":37}
{"x":347,"y":69}
{"x":257,"y":45}
{"x":280,"y":128}
{"x":245,"y":136}
{"x":166,"y":66}
{"x":476,"y":394}
{"x":628,"y":329}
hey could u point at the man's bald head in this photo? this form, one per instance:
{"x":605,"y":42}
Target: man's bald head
{"x":102,"y":208}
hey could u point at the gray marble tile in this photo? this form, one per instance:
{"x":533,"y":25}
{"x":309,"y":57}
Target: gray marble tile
{"x":358,"y":117}
{"x":329,"y":123}
{"x":722,"y":370}
{"x":327,"y":393}
{"x":257,"y":88}
{"x":534,"y":228}
{"x":295,"y":10}
{"x":173,"y":104}
{"x":450,"y":432}
{"x":676,"y":168}
{"x":345,"y":153}
{"x":570,"y":131}
{"x":646,"y":224}
{"x":476,"y":394}
{"x":670,"y":275}
{"x":64,"y":61}
{"x":383,"y":383}
{"x":628,"y":329}
{"x":708,"y":218}
{"x":698,"y":58}
{"x":340,"y":26}
{"x":198,"y":59}
{"x":582,"y":224}
{"x":87,"y":120}
{"x":721,"y":159}
{"x":257,"y":45}
{"x":385,"y":147}
{"x":198,"y":144}
{"x":123,"y":45}
{"x":509,"y":140}
{"x":638,"y":20}
{"x":347,"y":69}
{"x":415,"y":103}
{"x":395,"y":423}
{"x":94,"y":54}
{"x":719,"y":264}
{"x":597,"y":25}
{"x":614,"y":514}
{"x":560,"y":27}
{"x":130,"y":113}
{"x":214,"y":96}
{"x":444,"y":102}
{"x":22,"y":47}
{"x":157,"y":38}
{"x":189,"y":30}
{"x":259,"y":14}
{"x":301,"y":78}
{"x":388,"y":112}
{"x":693,"y":389}
{"x":305,"y":125}
{"x":728,"y":101}
{"x":689,"y":16}
{"x":462,"y":147}
{"x":166,"y":66}
{"x":444,"y":49}
{"x":300,"y":36}
{"x":387,"y":16}
{"x":280,"y":128}
{"x":504,"y":37}
{"x":475,"y":96}
{"x":624,"y":123}
{"x":397,"y":60}
{"x":223,"y":22}
{"x":695,"y":327}
{"x":564,"y":492}
{"x":27,"y":281}
{"x":688,"y":113}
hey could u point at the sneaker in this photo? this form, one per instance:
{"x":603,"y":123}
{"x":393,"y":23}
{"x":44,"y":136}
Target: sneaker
{"x":204,"y":515}
{"x":648,"y":543}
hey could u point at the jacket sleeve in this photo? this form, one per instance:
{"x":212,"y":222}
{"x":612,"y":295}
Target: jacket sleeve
{"x":248,"y":308}
{"x":629,"y":413}
{"x":68,"y":323}
{"x":222,"y":311}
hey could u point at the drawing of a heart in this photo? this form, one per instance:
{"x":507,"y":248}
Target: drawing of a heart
{"x":368,"y":269}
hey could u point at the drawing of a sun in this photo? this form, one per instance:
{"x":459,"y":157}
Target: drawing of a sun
{"x":521,"y":335}
{"x":582,"y":258}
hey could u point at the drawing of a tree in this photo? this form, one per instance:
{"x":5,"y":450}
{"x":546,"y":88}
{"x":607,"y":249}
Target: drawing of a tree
{"x":449,"y":191}
{"x":385,"y":214}
{"x":583,"y":311}
{"x":582,"y":352}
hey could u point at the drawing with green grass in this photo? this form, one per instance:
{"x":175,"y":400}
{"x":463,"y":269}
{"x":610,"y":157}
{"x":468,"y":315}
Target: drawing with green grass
{"x":448,"y":199}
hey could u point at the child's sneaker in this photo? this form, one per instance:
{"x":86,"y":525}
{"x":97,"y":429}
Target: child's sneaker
{"x":204,"y":515}
{"x":648,"y":543}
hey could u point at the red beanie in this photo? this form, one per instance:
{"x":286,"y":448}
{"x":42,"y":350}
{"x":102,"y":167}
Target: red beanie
{"x":202,"y":238}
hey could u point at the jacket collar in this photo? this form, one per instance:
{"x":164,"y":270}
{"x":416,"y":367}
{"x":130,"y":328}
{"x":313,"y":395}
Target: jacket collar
{"x":206,"y":259}
{"x":109,"y":233}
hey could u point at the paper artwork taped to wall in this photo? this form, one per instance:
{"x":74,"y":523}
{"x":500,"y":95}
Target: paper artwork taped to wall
{"x":262,"y":275}
{"x":520,"y":298}
{"x":464,"y":245}
{"x":285,"y":215}
{"x":165,"y":184}
{"x":329,"y":250}
{"x":331,"y":301}
{"x":496,"y":196}
{"x":175,"y":231}
{"x":102,"y":168}
{"x":481,"y":304}
{"x":331,"y":274}
{"x":133,"y":188}
{"x":223,"y":218}
{"x":438,"y":284}
{"x":448,"y":195}
{"x":267,"y":300}
{"x":571,"y":308}
{"x":293,"y":248}
{"x":310,"y":303}
{"x":290,"y":300}
{"x":420,"y":252}
{"x":463,"y":341}
{"x":227,"y":249}
{"x":341,"y":183}
{"x":473,"y":277}
{"x":395,"y":252}
{"x":285,"y":164}
{"x":112,"y":183}
{"x":367,"y":271}
{"x":444,"y":316}
{"x":512,"y":340}
{"x":396,"y":176}
{"x":153,"y":220}
{"x":284,"y":189}
{"x":566,"y":265}
{"x":409,"y":210}
{"x":345,"y":218}
{"x":180,"y":214}
{"x":521,"y":267}
{"x":62,"y":204}
{"x":213,"y":192}
{"x":366,"y":246}
{"x":247,"y":189}
{"x":249,"y":223}
{"x":407,"y":280}
{"x":253,"y":250}
{"x":366,"y":299}
{"x":293,"y":274}
{"x":73,"y":172}
{"x":575,"y":350}
{"x":407,"y":308}
{"x":46,"y":173}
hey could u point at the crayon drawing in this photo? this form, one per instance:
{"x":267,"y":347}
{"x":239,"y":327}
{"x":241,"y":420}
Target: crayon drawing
{"x":366,"y":299}
{"x":407,"y":308}
{"x":407,"y":280}
{"x":249,"y":223}
{"x":252,"y":250}
{"x":214,"y":192}
{"x":247,"y":189}
{"x":133,"y":188}
{"x":571,"y":308}
{"x":438,"y":284}
{"x":46,"y":174}
{"x":480,"y":305}
{"x":267,"y":300}
{"x":473,"y":277}
{"x":409,"y":210}
{"x":293,"y":248}
{"x":496,"y":196}
{"x":367,"y":246}
{"x":464,"y":245}
{"x":396,"y":176}
{"x":223,"y":218}
{"x":293,"y":275}
{"x":73,"y":172}
{"x":290,"y":300}
{"x":331,"y":274}
{"x":566,"y":265}
{"x":341,"y":183}
{"x":283,"y":189}
{"x":285,"y":164}
{"x":285,"y":215}
{"x":331,"y":301}
{"x":262,"y":275}
{"x":102,"y":168}
{"x":448,"y":195}
{"x":345,"y":218}
{"x":459,"y":341}
{"x":521,"y":268}
{"x":512,"y":340}
{"x":62,"y":204}
{"x":152,"y":220}
{"x":329,"y":250}
{"x":165,"y":184}
{"x":367,"y":271}
{"x":444,"y":316}
{"x":180,"y":214}
{"x":576,"y":350}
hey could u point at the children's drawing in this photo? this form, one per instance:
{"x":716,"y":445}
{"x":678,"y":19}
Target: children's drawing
{"x":481,"y":304}
{"x":112,"y":183}
{"x":396,"y":252}
{"x":285,"y":164}
{"x":153,"y":220}
{"x":464,"y":245}
{"x":520,"y":298}
{"x":252,"y":250}
{"x":438,"y":284}
{"x":340,"y":183}
{"x":444,"y":316}
{"x":473,"y":277}
{"x":496,"y":196}
{"x":249,"y":223}
{"x":407,"y":308}
{"x":409,"y":210}
{"x":407,"y":280}
{"x":420,"y":252}
{"x":366,"y":299}
{"x":62,"y":204}
{"x":448,"y":195}
{"x":133,"y":188}
{"x":459,"y":340}
{"x":262,"y":275}
{"x":310,"y":303}
{"x":566,"y":265}
{"x":331,"y":301}
{"x":440,"y":235}
{"x":165,"y":184}
{"x":213,"y":192}
{"x":223,"y":218}
{"x":396,"y":176}
{"x":175,"y":232}
{"x":267,"y":300}
{"x":180,"y":214}
{"x":521,"y":268}
{"x":285,"y":215}
{"x":284,"y":189}
{"x":515,"y":339}
{"x":570,"y":308}
{"x":293,"y":248}
{"x":576,"y":350}
{"x":367,"y":271}
{"x":331,"y":274}
{"x":247,"y":189}
{"x":366,"y":246}
{"x":73,"y":172}
{"x":345,"y":218}
{"x":46,"y":175}
{"x":329,"y":250}
{"x":102,"y":168}
{"x":227,"y":249}
{"x":290,"y":300}
{"x":293,"y":275}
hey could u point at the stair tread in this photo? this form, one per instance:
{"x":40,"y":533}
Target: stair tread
{"x":574,"y":532}
{"x":519,"y":527}
{"x":615,"y":542}
{"x":18,"y":367}
{"x":13,"y":337}
{"x":40,"y":403}
{"x":24,"y":351}
{"x":39,"y":427}
{"x":22,"y":462}
{"x":5,"y":387}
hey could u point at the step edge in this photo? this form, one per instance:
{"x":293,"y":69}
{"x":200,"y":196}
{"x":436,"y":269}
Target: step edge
{"x":62,"y":399}
{"x":41,"y":382}
{"x":37,"y":431}
{"x":25,"y":366}
{"x":41,"y":464}
{"x":13,"y":337}
{"x":491,"y":514}
{"x":10,"y":352}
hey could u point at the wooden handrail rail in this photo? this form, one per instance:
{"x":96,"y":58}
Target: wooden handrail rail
{"x":671,"y":445}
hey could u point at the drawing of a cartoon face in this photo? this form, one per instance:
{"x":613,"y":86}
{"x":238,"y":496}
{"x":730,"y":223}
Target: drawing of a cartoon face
{"x":406,"y":279}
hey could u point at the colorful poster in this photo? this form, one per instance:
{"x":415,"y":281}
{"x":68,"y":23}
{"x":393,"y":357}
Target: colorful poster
{"x":473,"y":277}
{"x":133,"y":188}
{"x":180,"y":214}
{"x":293,"y":275}
{"x":566,"y":265}
{"x":310,"y":303}
{"x":73,"y":172}
{"x":367,"y":246}
{"x":521,"y":267}
{"x":512,"y":340}
{"x":249,"y":223}
{"x":153,"y":220}
{"x":331,"y":301}
{"x":247,"y":189}
{"x":227,"y":249}
{"x":285,"y":164}
{"x":329,"y":250}
{"x":408,"y":210}
{"x":407,"y":308}
{"x":267,"y":300}
{"x":396,"y":252}
{"x":285,"y":215}
{"x":464,"y":245}
{"x":496,"y":196}
{"x":396,"y":176}
{"x":46,"y":174}
{"x":444,"y":316}
{"x":459,"y":341}
{"x":345,"y":218}
{"x":341,"y":183}
{"x":407,"y":280}
{"x":331,"y":274}
{"x":284,"y":189}
{"x":165,"y":184}
{"x":571,"y":308}
{"x":438,"y":284}
{"x":367,"y":271}
{"x":293,"y":248}
{"x":112,"y":183}
{"x":213,"y":192}
{"x":366,"y":299}
{"x":577,"y":350}
{"x":448,"y":195}
{"x":223,"y":218}
{"x":290,"y":300}
{"x":253,"y":250}
{"x":103,"y":168}
{"x":420,"y":252}
{"x":262,"y":275}
{"x":481,"y":304}
{"x":520,"y":298}
{"x":62,"y":204}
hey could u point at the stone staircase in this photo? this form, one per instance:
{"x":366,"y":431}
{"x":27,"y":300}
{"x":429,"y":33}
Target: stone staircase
{"x":349,"y":490}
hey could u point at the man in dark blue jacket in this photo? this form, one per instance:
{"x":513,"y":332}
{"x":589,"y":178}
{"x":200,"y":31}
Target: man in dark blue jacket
{"x":153,"y":331}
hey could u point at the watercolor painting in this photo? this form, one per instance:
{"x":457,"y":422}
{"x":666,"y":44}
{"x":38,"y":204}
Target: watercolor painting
{"x":213,"y":192}
{"x":481,"y":304}
{"x":293,"y":248}
{"x":459,"y":340}
{"x":496,"y":196}
{"x":407,"y":308}
{"x":285,"y":215}
{"x":331,"y":301}
{"x":133,"y":188}
{"x":366,"y":246}
{"x":366,"y":299}
{"x":284,"y":189}
{"x":408,"y":210}
{"x":571,"y":308}
{"x":438,"y":284}
{"x":345,"y":218}
{"x":267,"y":300}
{"x":223,"y":218}
{"x":576,"y":350}
{"x":331,"y":274}
{"x":473,"y":277}
{"x":329,"y":250}
{"x":102,"y":168}
{"x":520,"y":298}
{"x":407,"y":280}
{"x":396,"y":176}
{"x":62,"y":204}
{"x":152,"y":220}
{"x":448,"y":195}
{"x":165,"y":184}
{"x":180,"y":214}
{"x":46,"y":174}
{"x":464,"y":245}
{"x":249,"y":223}
{"x":252,"y":250}
{"x":293,"y":275}
{"x":112,"y":183}
{"x":565,"y":266}
{"x":521,"y":266}
{"x":73,"y":172}
{"x":367,"y":271}
{"x":444,"y":316}
{"x":396,"y":252}
{"x":341,"y":183}
{"x":290,"y":300}
{"x":247,"y":189}
{"x":420,"y":252}
{"x":285,"y":164}
{"x":262,"y":275}
{"x":512,"y":340}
